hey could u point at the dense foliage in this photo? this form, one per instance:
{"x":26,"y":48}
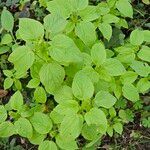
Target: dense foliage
{"x":83,"y":77}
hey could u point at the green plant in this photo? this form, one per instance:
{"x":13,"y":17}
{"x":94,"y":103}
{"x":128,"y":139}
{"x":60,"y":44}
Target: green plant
{"x":78,"y":81}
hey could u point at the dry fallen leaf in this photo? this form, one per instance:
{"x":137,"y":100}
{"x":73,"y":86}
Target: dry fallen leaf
{"x":3,"y":93}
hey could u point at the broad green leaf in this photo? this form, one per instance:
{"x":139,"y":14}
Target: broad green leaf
{"x":63,"y":109}
{"x":86,"y":32}
{"x":78,"y":4}
{"x":125,"y":8}
{"x":24,"y":128}
{"x":3,"y":114}
{"x":114,"y":67}
{"x":110,"y":131}
{"x":144,"y":53}
{"x":6,"y":129}
{"x":89,"y":13}
{"x":63,"y":94}
{"x":54,"y":24}
{"x":16,"y":101}
{"x":136,"y":37}
{"x":142,"y":69}
{"x":109,"y":18}
{"x":4,"y":49}
{"x":7,"y":20}
{"x":98,"y":54}
{"x":146,"y":34}
{"x":104,"y":99}
{"x":66,"y":143}
{"x":37,"y":138}
{"x":33,"y":83}
{"x":40,"y":95}
{"x":103,"y":8}
{"x":91,"y":73}
{"x":64,"y":50}
{"x":89,"y":132}
{"x":41,"y":122}
{"x":8,"y":82}
{"x":6,"y":39}
{"x":71,"y":126}
{"x":22,"y":58}
{"x":82,"y":86}
{"x":51,"y":76}
{"x":143,"y":85}
{"x":35,"y":69}
{"x":126,"y":54}
{"x":106,"y":30}
{"x":96,"y":117}
{"x":130,"y":92}
{"x":8,"y":73}
{"x":30,"y":29}
{"x":118,"y":127}
{"x":60,"y":7}
{"x":128,"y":77}
{"x":122,"y":23}
{"x":47,"y":145}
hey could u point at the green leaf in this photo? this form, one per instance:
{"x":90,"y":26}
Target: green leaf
{"x":41,"y":122}
{"x":63,"y":94}
{"x":3,"y":114}
{"x":66,"y":143}
{"x":82,"y":86}
{"x":142,"y":69}
{"x":8,"y":73}
{"x":146,"y":34}
{"x":54,"y":24}
{"x":143,"y":85}
{"x":89,"y":132}
{"x":6,"y":39}
{"x":129,"y":77}
{"x":109,"y":18}
{"x":51,"y":76}
{"x":23,"y":127}
{"x":110,"y":131}
{"x":144,"y":53}
{"x":16,"y":101}
{"x":104,"y":99}
{"x":40,"y":95}
{"x":33,"y":83}
{"x":6,"y":129}
{"x":60,"y":7}
{"x":91,"y":73}
{"x":78,"y":4}
{"x":37,"y":138}
{"x":130,"y":92}
{"x":125,"y":8}
{"x":136,"y":37}
{"x":106,"y":30}
{"x":4,"y":49}
{"x":64,"y":50}
{"x":86,"y":32}
{"x":71,"y":126}
{"x":22,"y":58}
{"x":97,"y":117}
{"x":118,"y":127}
{"x":7,"y":20}
{"x":8,"y":82}
{"x":114,"y":67}
{"x":28,"y":29}
{"x":89,"y":13}
{"x":63,"y":109}
{"x":98,"y":54}
{"x":47,"y":145}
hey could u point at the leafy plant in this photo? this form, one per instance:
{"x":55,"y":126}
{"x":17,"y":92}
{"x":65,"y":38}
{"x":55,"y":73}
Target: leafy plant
{"x":79,"y":84}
